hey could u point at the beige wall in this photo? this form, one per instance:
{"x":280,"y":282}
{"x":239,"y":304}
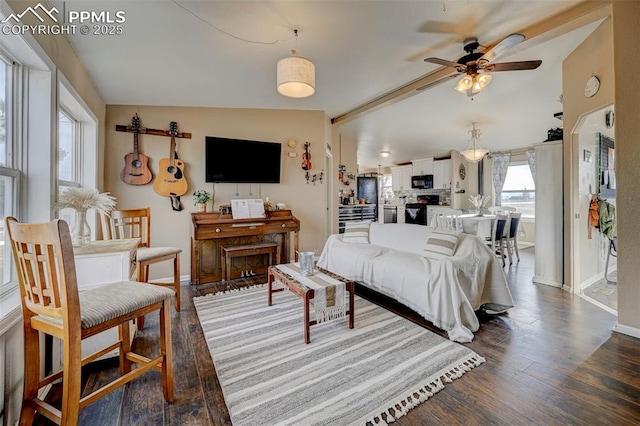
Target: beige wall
{"x":593,"y":57}
{"x":626,"y":33}
{"x":307,"y":201}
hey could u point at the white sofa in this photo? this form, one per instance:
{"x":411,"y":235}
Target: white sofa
{"x":445,"y":290}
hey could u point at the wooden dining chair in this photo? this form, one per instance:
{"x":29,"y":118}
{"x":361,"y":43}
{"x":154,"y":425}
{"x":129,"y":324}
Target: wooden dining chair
{"x":509,"y":242}
{"x":51,"y":304}
{"x":497,"y":235}
{"x":136,"y":223}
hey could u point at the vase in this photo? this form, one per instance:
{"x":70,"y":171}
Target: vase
{"x":202,"y":207}
{"x":81,"y":233}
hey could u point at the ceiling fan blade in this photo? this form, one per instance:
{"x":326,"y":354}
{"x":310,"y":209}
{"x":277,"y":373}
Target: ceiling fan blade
{"x":435,"y":83}
{"x":499,"y":49}
{"x":446,"y":63}
{"x":512,"y":66}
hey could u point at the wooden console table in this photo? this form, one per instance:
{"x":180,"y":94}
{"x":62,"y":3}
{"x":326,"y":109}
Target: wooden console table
{"x":210,"y":231}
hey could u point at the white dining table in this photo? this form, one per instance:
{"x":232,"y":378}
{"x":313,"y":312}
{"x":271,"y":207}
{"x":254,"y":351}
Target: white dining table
{"x":482,"y":226}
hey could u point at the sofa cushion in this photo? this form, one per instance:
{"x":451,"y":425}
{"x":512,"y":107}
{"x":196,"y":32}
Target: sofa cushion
{"x":442,"y":242}
{"x":356,"y":232}
{"x":405,"y":237}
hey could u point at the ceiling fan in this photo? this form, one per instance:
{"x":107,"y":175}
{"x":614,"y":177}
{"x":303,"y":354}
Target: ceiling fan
{"x":476,"y":65}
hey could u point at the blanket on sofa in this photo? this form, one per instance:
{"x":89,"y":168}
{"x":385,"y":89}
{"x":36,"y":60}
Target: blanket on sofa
{"x":445,"y":290}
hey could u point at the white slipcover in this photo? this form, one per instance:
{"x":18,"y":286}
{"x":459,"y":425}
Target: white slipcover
{"x":444,"y":290}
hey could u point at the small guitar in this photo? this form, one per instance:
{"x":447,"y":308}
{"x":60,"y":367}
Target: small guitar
{"x":171,"y":180}
{"x":136,"y":170}
{"x":306,"y":157}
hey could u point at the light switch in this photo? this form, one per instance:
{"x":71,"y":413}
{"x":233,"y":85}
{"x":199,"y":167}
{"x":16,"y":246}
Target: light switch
{"x":293,"y":154}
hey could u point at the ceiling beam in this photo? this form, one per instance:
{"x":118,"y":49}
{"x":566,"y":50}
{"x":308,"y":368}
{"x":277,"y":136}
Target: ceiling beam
{"x":562,"y":23}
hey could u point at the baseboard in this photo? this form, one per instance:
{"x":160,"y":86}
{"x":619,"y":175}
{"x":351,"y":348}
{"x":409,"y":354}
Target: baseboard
{"x":183,"y":278}
{"x":629,"y":331}
{"x":546,"y":281}
{"x":599,"y":305}
{"x":594,"y":279}
{"x":525,"y":244}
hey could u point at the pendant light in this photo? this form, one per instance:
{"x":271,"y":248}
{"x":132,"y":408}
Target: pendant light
{"x":296,"y":75}
{"x":474,"y":152}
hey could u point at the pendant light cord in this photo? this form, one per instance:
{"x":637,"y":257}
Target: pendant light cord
{"x":228,"y":33}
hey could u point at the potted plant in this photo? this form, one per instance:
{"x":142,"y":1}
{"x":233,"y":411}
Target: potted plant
{"x":200,"y":199}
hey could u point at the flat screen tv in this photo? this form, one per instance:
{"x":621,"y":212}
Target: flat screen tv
{"x":241,"y":161}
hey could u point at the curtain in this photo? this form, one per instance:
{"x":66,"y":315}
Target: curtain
{"x":500,"y":167}
{"x":531,"y":159}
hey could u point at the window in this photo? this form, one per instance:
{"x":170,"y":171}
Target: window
{"x":519,"y":190}
{"x":69,"y":173}
{"x":387,"y":188}
{"x":9,"y":176}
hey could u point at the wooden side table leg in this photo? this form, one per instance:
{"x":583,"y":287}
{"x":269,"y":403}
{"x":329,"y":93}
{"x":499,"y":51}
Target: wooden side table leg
{"x":307,"y":337}
{"x":352,"y":308}
{"x":270,"y":287}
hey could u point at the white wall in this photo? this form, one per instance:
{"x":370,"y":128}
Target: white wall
{"x":590,"y":265}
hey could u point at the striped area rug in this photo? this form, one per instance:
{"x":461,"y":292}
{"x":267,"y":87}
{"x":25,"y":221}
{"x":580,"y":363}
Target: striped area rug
{"x":372,"y":374}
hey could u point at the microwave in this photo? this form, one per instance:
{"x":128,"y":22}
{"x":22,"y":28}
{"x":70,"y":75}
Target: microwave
{"x":422,"y":182}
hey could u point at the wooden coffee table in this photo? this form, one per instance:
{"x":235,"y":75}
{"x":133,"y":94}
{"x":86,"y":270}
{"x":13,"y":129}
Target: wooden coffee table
{"x":307,"y":294}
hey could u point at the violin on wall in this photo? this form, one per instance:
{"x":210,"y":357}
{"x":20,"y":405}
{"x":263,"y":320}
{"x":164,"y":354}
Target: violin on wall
{"x":306,"y":157}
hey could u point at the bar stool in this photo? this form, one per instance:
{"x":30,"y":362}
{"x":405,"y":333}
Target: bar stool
{"x":136,"y":223}
{"x":51,"y":304}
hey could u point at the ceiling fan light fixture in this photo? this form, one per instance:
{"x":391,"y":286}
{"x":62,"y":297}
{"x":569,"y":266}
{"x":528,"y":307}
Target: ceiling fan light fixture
{"x":474,"y":153}
{"x":484,"y":80}
{"x":464,"y":84}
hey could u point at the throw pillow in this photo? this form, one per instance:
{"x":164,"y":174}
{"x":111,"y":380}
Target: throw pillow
{"x":356,"y":232}
{"x":442,"y":241}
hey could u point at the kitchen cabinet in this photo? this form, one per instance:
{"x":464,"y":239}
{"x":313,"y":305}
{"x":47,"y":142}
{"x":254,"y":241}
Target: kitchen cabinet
{"x":355,"y":213}
{"x":422,"y":167}
{"x":401,"y":178}
{"x":442,"y":174}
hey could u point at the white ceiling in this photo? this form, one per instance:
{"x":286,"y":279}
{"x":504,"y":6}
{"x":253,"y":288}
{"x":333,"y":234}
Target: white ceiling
{"x":187,"y":53}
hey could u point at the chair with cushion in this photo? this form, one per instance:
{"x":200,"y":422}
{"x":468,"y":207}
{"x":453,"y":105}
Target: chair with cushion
{"x":51,"y":304}
{"x":497,"y":235}
{"x":509,"y":242}
{"x":451,"y":222}
{"x":136,"y":223}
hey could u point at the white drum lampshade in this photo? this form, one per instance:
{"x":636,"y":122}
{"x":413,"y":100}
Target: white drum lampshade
{"x":296,"y":77}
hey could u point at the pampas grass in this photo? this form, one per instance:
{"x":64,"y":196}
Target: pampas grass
{"x":82,"y":199}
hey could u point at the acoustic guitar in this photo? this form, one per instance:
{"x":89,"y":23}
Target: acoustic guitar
{"x":136,"y":170}
{"x":171,"y":180}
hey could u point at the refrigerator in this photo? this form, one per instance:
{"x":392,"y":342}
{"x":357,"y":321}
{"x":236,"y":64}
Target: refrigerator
{"x":368,"y":189}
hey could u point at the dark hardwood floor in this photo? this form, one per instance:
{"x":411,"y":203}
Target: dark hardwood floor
{"x":552,"y":359}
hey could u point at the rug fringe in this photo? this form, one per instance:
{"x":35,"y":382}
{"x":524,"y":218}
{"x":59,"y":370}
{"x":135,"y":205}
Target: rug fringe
{"x":414,"y":399}
{"x":233,"y":290}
